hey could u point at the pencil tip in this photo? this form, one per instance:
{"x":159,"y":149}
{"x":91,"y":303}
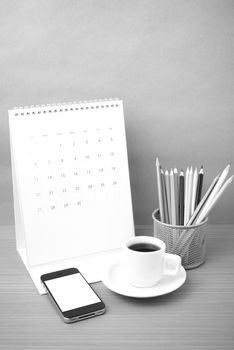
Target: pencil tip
{"x":201,"y":171}
{"x":227,"y":168}
{"x":229,"y":180}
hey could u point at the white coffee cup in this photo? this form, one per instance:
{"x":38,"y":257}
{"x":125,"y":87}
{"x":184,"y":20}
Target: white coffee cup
{"x":146,"y":268}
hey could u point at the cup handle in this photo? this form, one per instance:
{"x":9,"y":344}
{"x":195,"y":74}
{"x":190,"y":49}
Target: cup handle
{"x":172,"y":264}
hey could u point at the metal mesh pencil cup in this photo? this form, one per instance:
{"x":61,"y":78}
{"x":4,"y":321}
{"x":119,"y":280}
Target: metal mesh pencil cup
{"x":189,"y":242}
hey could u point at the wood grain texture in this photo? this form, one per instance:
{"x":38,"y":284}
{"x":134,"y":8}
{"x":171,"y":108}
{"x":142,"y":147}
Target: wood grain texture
{"x":200,"y":315}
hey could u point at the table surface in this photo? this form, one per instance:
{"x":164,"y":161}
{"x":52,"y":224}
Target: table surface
{"x":199,"y":315}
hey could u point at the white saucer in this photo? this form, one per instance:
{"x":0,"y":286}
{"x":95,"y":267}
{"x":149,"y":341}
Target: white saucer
{"x":114,"y":279}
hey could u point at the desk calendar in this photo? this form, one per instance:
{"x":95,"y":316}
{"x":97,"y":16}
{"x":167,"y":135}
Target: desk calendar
{"x":71,"y":186}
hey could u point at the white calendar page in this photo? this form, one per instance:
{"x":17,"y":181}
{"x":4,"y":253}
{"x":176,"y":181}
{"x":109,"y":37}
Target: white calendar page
{"x":71,"y":179}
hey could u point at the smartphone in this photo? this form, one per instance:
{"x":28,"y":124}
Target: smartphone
{"x":72,"y":295}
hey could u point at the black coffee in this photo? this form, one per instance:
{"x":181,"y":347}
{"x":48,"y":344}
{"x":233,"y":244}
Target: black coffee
{"x":144,"y":247}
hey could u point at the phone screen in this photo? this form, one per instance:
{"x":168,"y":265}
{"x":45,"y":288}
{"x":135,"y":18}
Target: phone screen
{"x":71,"y":292}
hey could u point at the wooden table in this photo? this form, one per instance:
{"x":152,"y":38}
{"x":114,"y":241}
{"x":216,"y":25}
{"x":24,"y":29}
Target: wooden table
{"x":199,"y":315}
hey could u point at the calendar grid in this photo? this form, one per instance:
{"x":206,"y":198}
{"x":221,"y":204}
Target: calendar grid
{"x":70,"y":173}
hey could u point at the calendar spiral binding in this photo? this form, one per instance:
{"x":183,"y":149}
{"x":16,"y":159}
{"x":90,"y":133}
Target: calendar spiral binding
{"x":65,"y":106}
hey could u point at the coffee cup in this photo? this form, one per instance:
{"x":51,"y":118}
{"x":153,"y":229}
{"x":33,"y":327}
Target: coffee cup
{"x":145,"y":261}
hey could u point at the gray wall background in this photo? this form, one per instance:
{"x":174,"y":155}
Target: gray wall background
{"x":172,"y":63}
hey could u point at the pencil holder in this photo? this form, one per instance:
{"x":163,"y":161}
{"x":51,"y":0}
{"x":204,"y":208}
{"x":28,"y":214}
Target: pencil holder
{"x":189,"y":242}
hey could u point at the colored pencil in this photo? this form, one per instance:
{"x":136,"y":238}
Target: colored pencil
{"x":180,"y":195}
{"x":194,"y":190}
{"x":206,"y":211}
{"x":165,"y":206}
{"x":202,"y":202}
{"x":181,"y":198}
{"x":186,"y":192}
{"x":199,"y":186}
{"x":216,"y":189}
{"x":176,"y":183}
{"x":168,"y":195}
{"x":173,"y":203}
{"x":160,"y":198}
{"x":189,"y":198}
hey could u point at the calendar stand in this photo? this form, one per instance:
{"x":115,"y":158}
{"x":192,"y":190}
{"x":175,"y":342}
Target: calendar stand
{"x":72,"y":198}
{"x":92,"y":266}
